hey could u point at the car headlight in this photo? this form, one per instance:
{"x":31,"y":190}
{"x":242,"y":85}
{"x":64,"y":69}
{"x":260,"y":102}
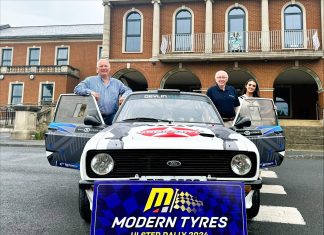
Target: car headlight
{"x":102,"y":164}
{"x":241,"y":164}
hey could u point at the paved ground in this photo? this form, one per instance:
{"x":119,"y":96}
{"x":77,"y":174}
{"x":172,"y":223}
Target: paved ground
{"x":37,"y":199}
{"x":5,"y":140}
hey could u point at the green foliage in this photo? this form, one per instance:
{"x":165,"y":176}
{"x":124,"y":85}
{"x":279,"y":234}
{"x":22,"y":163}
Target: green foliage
{"x":39,"y":135}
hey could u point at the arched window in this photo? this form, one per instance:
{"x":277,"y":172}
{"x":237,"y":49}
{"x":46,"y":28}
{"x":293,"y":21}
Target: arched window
{"x":293,"y":23}
{"x":133,"y":32}
{"x":236,"y":29}
{"x":183,"y":34}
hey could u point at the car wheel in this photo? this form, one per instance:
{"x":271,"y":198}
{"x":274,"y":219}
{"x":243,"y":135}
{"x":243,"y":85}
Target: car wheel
{"x":84,"y":206}
{"x":254,"y":210}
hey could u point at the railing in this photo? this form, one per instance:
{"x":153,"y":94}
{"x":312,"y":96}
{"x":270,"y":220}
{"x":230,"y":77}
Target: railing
{"x":44,"y":115}
{"x":252,"y":41}
{"x":7,"y":116}
{"x":40,"y":69}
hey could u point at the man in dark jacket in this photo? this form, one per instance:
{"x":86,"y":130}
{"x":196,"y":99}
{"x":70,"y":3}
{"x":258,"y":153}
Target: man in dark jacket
{"x":224,"y":98}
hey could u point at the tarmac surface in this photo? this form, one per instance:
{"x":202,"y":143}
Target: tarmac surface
{"x":5,"y":140}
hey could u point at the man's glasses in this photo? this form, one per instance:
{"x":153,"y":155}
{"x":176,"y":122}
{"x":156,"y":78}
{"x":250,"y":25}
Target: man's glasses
{"x":222,"y":77}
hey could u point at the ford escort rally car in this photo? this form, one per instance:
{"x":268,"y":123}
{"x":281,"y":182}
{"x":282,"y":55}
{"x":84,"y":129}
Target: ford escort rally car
{"x":157,"y":135}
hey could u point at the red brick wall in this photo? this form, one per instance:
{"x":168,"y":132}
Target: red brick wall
{"x":253,"y":11}
{"x":265,"y":72}
{"x":313,"y":14}
{"x":168,"y":10}
{"x":83,"y":56}
{"x":116,"y":31}
{"x":62,"y":85}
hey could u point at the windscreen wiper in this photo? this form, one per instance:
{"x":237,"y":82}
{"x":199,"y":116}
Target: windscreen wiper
{"x":146,"y":119}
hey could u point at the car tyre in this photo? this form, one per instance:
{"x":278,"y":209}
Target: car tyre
{"x":254,"y":210}
{"x":84,"y":206}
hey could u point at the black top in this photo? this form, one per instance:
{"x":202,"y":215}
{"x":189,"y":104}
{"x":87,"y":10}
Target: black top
{"x":225,"y":101}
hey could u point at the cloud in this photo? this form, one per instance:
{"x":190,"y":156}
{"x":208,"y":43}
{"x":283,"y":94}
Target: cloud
{"x":50,"y":12}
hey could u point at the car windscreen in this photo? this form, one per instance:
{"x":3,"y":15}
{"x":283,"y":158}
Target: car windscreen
{"x":260,"y":111}
{"x":74,"y":108}
{"x":169,"y":107}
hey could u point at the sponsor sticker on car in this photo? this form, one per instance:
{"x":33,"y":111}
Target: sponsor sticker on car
{"x":168,"y":208}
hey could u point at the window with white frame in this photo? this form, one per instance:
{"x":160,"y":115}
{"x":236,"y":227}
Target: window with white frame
{"x":133,"y":32}
{"x":16,"y":93}
{"x":62,"y":56}
{"x":34,"y":56}
{"x":293,"y":23}
{"x":183,"y":26}
{"x":6,"y":57}
{"x":236,"y":29}
{"x":47,"y":91}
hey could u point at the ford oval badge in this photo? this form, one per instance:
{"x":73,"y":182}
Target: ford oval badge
{"x":173,"y":163}
{"x":247,"y":133}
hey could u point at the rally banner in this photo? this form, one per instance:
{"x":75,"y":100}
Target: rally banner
{"x":168,"y":208}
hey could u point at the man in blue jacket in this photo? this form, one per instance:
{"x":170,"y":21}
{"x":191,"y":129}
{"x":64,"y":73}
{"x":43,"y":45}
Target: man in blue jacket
{"x":108,"y":91}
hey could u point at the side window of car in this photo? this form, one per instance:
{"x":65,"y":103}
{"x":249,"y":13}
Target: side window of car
{"x":74,"y":108}
{"x":260,"y":111}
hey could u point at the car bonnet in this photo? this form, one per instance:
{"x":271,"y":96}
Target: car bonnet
{"x":169,"y":136}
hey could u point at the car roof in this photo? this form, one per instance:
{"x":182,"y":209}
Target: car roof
{"x":174,"y":91}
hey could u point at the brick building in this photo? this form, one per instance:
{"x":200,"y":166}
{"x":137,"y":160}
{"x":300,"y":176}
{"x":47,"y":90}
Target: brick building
{"x":177,"y":44}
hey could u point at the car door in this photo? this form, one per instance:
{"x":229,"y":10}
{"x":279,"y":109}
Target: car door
{"x":67,"y":134}
{"x":264,"y":131}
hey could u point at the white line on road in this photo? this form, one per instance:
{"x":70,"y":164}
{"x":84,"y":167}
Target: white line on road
{"x":279,"y":214}
{"x":269,"y":174}
{"x":274,"y":189}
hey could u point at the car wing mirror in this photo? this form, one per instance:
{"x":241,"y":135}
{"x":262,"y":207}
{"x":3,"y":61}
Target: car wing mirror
{"x":91,"y":121}
{"x":243,"y":122}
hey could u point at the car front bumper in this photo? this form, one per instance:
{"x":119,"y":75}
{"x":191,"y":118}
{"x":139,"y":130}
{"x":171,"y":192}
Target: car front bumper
{"x":250,"y":187}
{"x":253,"y":185}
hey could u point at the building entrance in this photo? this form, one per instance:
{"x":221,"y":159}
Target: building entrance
{"x":295,"y":94}
{"x":132,"y":78}
{"x":181,"y":79}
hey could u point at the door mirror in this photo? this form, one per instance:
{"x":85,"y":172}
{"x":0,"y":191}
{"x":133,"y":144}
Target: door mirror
{"x":243,"y":122}
{"x":92,"y":121}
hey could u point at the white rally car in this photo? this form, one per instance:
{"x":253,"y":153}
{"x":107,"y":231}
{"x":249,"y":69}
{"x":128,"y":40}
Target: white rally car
{"x":156,"y":135}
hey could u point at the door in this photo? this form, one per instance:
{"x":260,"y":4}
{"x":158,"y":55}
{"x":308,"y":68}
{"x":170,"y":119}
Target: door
{"x":264,"y":131}
{"x":67,"y":134}
{"x":183,"y":34}
{"x":294,"y":33}
{"x":236,"y":29}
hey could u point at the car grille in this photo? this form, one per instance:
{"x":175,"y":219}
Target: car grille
{"x":153,"y":162}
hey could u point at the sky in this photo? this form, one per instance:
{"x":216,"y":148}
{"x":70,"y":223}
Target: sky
{"x":50,"y":12}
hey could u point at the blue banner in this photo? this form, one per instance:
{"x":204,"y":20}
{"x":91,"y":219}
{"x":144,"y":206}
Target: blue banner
{"x":168,"y":208}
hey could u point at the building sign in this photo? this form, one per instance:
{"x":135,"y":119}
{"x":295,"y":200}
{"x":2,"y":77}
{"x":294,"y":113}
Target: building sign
{"x":168,"y":208}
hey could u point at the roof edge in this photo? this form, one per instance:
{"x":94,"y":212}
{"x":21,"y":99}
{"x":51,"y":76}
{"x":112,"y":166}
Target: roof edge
{"x":5,"y":26}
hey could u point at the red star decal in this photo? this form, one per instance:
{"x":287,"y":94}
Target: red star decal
{"x":169,"y":132}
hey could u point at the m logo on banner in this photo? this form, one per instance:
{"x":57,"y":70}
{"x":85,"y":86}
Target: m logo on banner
{"x":160,"y":193}
{"x":183,"y":201}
